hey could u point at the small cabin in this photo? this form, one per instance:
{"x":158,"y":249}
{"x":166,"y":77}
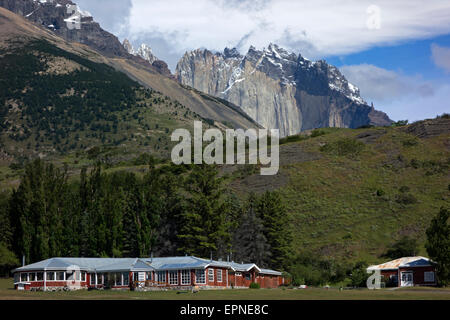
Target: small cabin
{"x":407,"y":272}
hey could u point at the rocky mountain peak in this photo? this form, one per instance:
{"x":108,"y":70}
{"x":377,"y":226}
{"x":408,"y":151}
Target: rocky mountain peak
{"x":279,"y":89}
{"x":129,"y":47}
{"x":144,"y":51}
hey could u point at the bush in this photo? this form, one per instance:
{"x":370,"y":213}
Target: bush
{"x":344,"y":147}
{"x":254,"y":285}
{"x":405,"y":199}
{"x":359,"y":275}
{"x":317,"y":133}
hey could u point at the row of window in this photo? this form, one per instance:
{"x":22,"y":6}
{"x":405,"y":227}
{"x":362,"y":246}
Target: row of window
{"x":185,"y":275}
{"x":120,"y":279}
{"x":115,"y":279}
{"x":53,"y":276}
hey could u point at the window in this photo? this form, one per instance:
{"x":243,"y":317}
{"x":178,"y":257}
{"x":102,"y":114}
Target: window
{"x":50,"y":276}
{"x":92,"y":278}
{"x":23,"y":277}
{"x":173,"y":277}
{"x":238,"y":274}
{"x":83,"y":276}
{"x":118,"y":279}
{"x":125,"y":281}
{"x":60,"y":276}
{"x":148,"y":276}
{"x":247,"y":276}
{"x":428,"y":276}
{"x":40,"y":276}
{"x":211,"y":275}
{"x":219,"y":275}
{"x":200,"y":276}
{"x":99,"y":278}
{"x":161,"y":276}
{"x":186,"y":277}
{"x":32,"y":276}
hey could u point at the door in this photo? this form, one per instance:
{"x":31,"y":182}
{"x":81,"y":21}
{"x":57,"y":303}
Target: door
{"x":407,"y":279}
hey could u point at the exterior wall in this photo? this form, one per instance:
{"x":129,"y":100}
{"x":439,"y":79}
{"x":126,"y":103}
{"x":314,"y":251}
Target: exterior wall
{"x":388,"y":274}
{"x":269,"y":281}
{"x":52,"y":284}
{"x":229,"y":279}
{"x":418,"y":275}
{"x":216,"y":283}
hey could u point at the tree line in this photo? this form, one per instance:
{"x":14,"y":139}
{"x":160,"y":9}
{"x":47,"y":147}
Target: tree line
{"x":170,"y":210}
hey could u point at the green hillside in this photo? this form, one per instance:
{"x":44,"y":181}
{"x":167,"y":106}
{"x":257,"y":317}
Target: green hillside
{"x":53,"y":102}
{"x":352,"y":193}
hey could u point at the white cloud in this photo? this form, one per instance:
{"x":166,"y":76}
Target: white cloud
{"x":315,"y":28}
{"x":441,"y":56}
{"x":399,"y":95}
{"x":384,"y":85}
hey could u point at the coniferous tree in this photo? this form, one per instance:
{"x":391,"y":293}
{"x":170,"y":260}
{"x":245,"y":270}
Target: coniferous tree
{"x":250,"y":244}
{"x":438,"y":244}
{"x":273,"y":213}
{"x":203,"y":218}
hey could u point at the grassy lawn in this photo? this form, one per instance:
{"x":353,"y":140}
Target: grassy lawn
{"x":7,"y":293}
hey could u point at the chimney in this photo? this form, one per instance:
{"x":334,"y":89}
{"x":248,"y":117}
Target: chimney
{"x":151,"y":257}
{"x":211,"y":256}
{"x":23,"y":260}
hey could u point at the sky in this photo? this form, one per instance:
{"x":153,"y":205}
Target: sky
{"x":396,"y":52}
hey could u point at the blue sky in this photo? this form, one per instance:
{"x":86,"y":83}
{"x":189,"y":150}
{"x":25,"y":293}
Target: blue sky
{"x":396,"y":52}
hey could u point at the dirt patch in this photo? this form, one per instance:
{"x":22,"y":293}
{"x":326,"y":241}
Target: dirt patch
{"x":260,"y":184}
{"x":371,"y":136}
{"x":295,"y":153}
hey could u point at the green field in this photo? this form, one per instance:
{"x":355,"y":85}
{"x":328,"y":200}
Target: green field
{"x":8,"y":293}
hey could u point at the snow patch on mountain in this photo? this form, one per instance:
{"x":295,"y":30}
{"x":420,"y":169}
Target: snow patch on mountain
{"x":144,"y":51}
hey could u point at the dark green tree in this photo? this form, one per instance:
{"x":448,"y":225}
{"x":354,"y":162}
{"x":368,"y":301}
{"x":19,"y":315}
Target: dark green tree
{"x":405,"y":247}
{"x":249,"y":241}
{"x":203,"y":217}
{"x":273,"y":213}
{"x":438,"y":244}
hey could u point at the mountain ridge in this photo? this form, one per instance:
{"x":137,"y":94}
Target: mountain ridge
{"x":279,"y":89}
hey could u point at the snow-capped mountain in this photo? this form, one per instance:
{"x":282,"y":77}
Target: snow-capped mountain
{"x":279,"y":89}
{"x":68,"y":21}
{"x":144,"y":51}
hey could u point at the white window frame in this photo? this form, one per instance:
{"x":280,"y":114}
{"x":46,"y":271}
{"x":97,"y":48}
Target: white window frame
{"x":92,"y":279}
{"x":185,"y":277}
{"x":211,"y":275}
{"x":23,"y":274}
{"x":219,"y":275}
{"x":38,"y":277}
{"x":98,"y":278}
{"x":50,"y":272}
{"x":117,"y":284}
{"x":238,"y":274}
{"x":63,"y":278}
{"x":161,"y":273}
{"x":125,"y":279}
{"x":202,"y":279}
{"x":173,"y":277}
{"x":426,"y":276}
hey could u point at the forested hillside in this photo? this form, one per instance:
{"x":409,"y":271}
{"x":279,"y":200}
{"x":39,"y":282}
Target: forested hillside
{"x":55,"y":102}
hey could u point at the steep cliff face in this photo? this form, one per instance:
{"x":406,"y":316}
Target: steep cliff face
{"x":279,"y":89}
{"x":66,"y":20}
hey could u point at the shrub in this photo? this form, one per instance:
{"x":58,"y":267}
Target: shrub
{"x":254,"y":285}
{"x":406,"y":198}
{"x":344,"y":147}
{"x":317,"y":133}
{"x":411,"y":142}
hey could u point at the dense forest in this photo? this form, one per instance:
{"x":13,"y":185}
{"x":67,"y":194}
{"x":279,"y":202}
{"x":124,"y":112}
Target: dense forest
{"x":171,"y":210}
